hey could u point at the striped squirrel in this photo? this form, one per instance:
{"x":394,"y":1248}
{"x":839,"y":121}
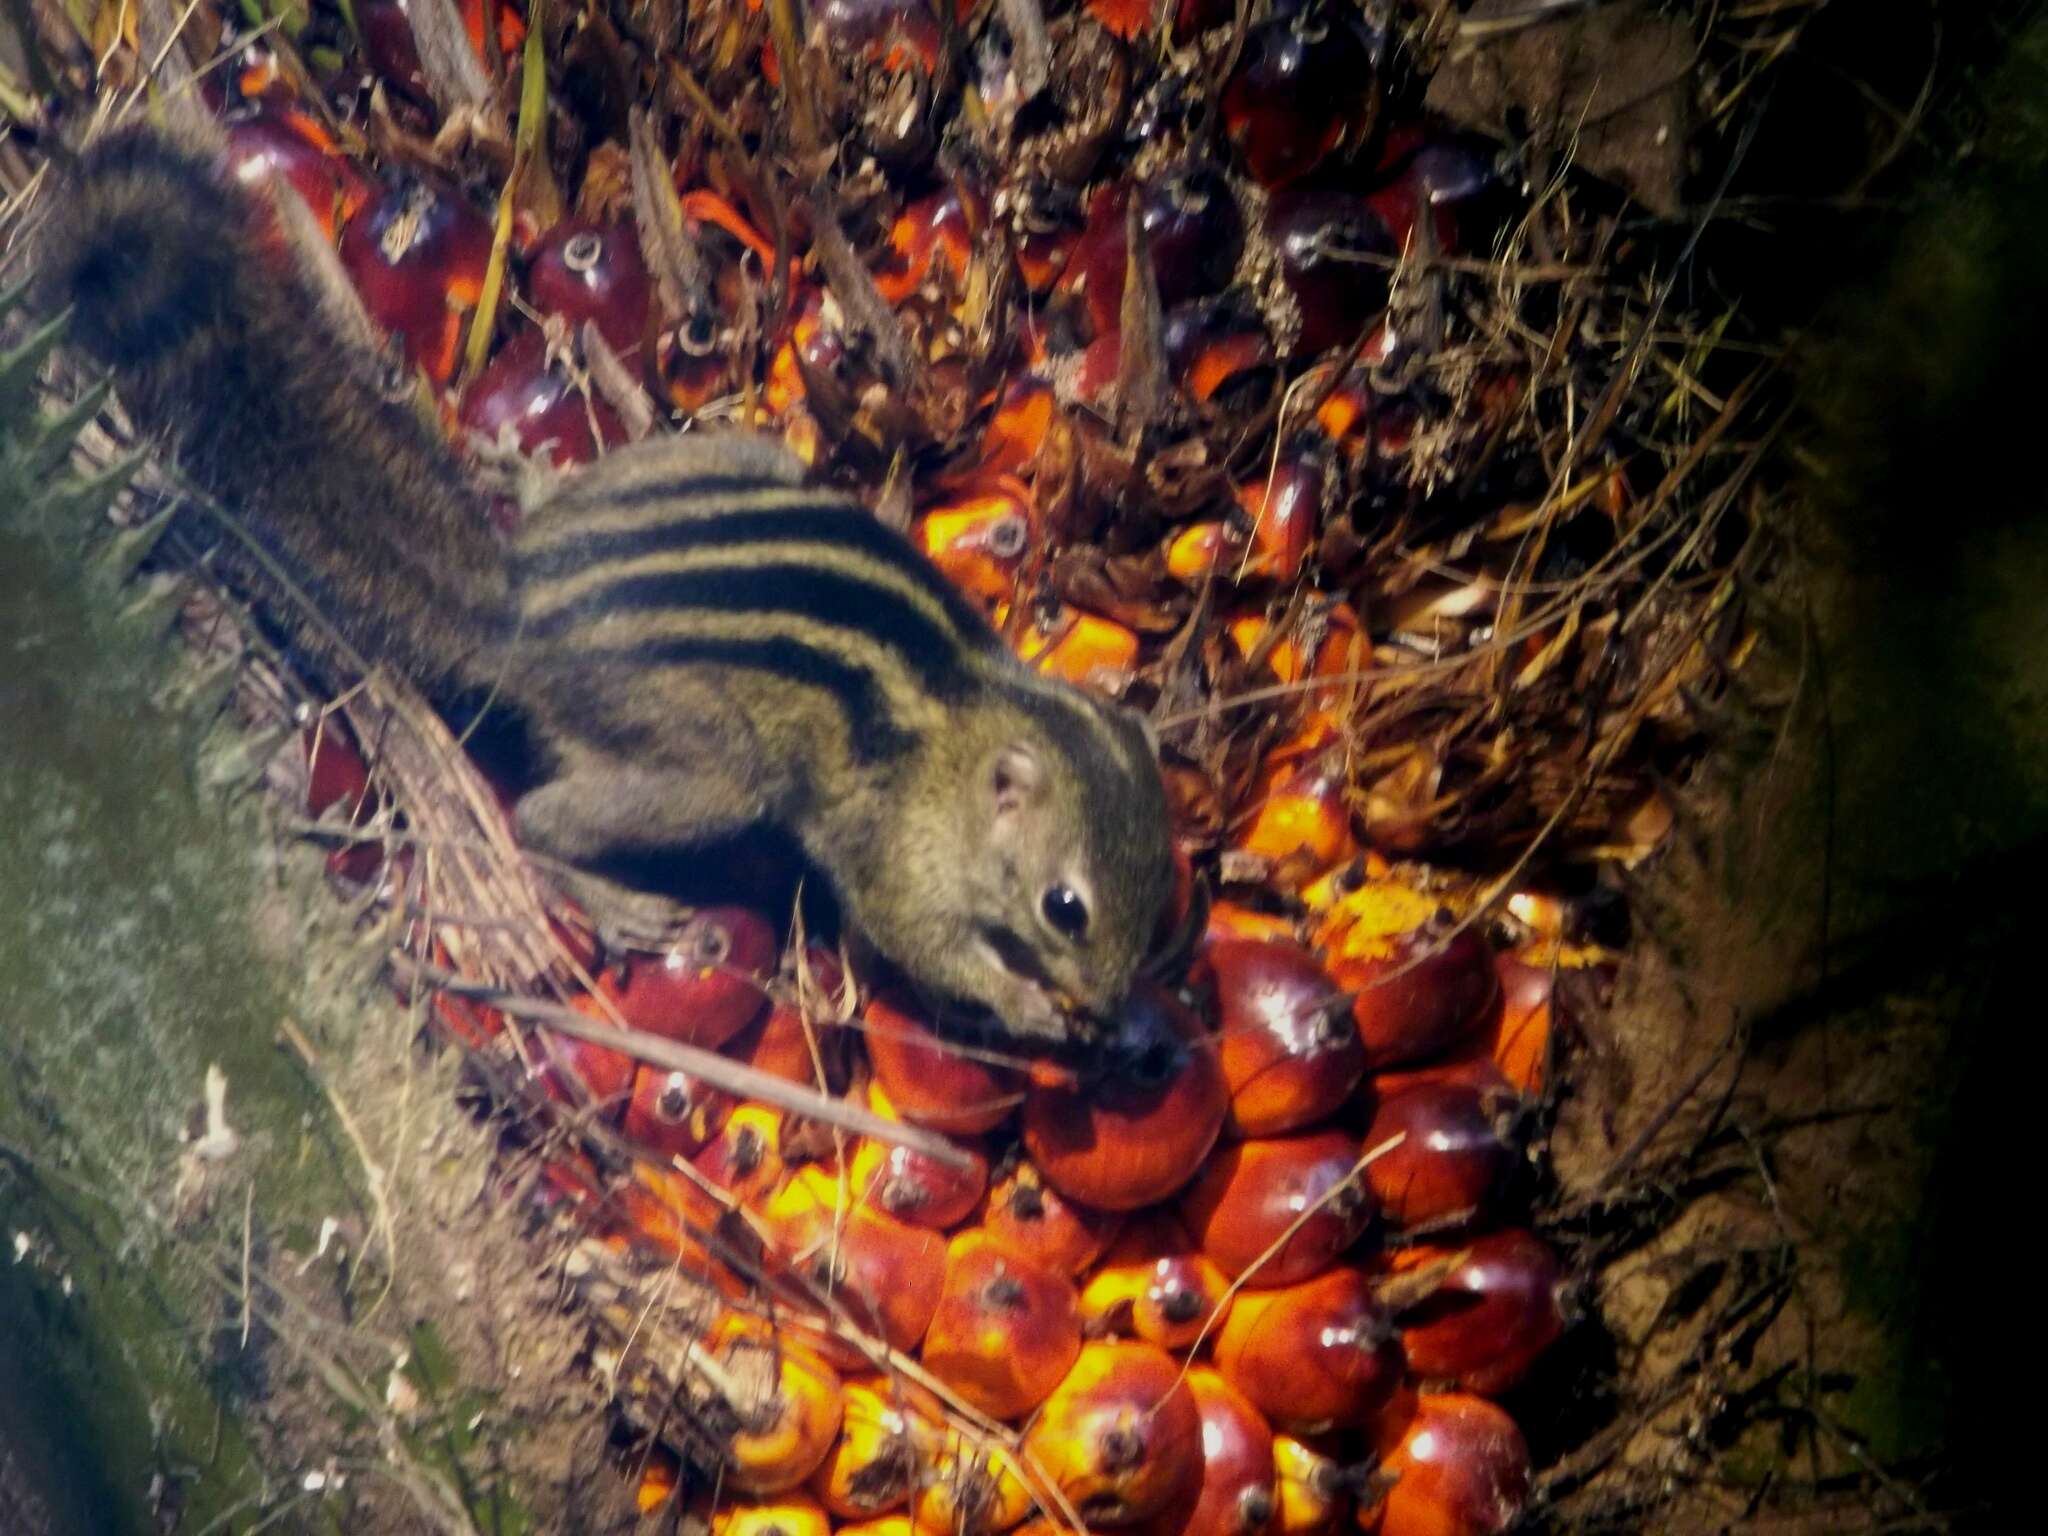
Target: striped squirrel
{"x":692,"y":639}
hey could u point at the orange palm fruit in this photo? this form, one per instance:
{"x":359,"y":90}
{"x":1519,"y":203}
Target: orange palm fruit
{"x":1494,"y":1313}
{"x":1155,"y":1283}
{"x":1006,"y":1330}
{"x":1299,"y":821}
{"x":1316,"y":1355}
{"x":930,"y":245}
{"x":660,"y":1478}
{"x":1232,"y":920}
{"x":885,"y":1274}
{"x":1083,"y":648}
{"x":1121,"y":1437}
{"x":1288,"y":1045}
{"x":913,"y":1186}
{"x":1237,"y":1494}
{"x":1274,"y":1212}
{"x":1028,"y":1216}
{"x":788,"y":1408}
{"x":1206,"y":548}
{"x":972,"y":1488}
{"x":884,"y":1525}
{"x":931,"y":1079}
{"x":1453,"y":1155}
{"x":673,"y":1114}
{"x":1286,"y":507}
{"x":793,"y":1514}
{"x":782,"y":1043}
{"x":1017,"y":430}
{"x":1309,"y":1487}
{"x":707,"y":986}
{"x":885,"y":1441}
{"x":1520,"y":1036}
{"x":980,"y":540}
{"x":1137,"y":1131}
{"x":745,"y":1157}
{"x":1461,"y":1468}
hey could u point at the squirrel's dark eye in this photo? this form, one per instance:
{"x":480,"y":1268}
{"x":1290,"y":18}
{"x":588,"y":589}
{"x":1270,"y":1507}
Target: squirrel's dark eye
{"x":1065,"y":910}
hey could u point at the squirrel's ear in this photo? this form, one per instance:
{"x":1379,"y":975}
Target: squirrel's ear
{"x":1015,"y":775}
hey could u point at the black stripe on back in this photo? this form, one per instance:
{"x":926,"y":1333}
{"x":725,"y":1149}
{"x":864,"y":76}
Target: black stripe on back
{"x":782,"y":587}
{"x":874,"y":734}
{"x":594,"y":492}
{"x":842,"y":527}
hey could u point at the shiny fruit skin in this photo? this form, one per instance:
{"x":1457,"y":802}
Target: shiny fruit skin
{"x":1452,"y":1158}
{"x":1028,"y":1216}
{"x":980,"y":541}
{"x":1006,"y":1330}
{"x":1335,"y":256}
{"x":1157,"y":1284}
{"x":1288,"y":1045}
{"x":1492,"y":1318}
{"x":1309,"y":1486}
{"x":264,"y":147}
{"x":885,"y":1274}
{"x":1303,"y":83}
{"x":791,"y":1417}
{"x":540,"y":404}
{"x":586,"y":271}
{"x":1318,"y":1355}
{"x":1249,"y":1195}
{"x":706,"y":987}
{"x":1122,"y":1436}
{"x":1238,"y":1495}
{"x":912,"y":1186}
{"x":673,"y":1114}
{"x":930,"y":1079}
{"x":745,"y":1157}
{"x":793,"y":1514}
{"x":1461,"y":1468}
{"x":579,"y":1072}
{"x":1422,"y":997}
{"x":416,"y":254}
{"x":1137,"y":1133}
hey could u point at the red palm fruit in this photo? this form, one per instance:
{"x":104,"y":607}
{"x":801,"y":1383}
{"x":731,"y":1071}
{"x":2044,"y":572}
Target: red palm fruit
{"x":884,"y":1442}
{"x":930,"y":1079}
{"x":1336,"y":256}
{"x":1249,"y":1195}
{"x":1461,"y":1468}
{"x":664,"y":1212}
{"x":1303,"y":84}
{"x":1138,"y":1131}
{"x":471,"y":1023}
{"x":1214,"y":345}
{"x":1288,"y":1046}
{"x":1121,"y":1437}
{"x":265,"y":145}
{"x":1006,"y":1329}
{"x":1492,"y":1316}
{"x":673,"y":1114}
{"x":1028,"y":1216}
{"x":1238,"y":1495}
{"x":1193,"y":234}
{"x":781,"y":1044}
{"x":579,"y":1072}
{"x":1300,"y":822}
{"x":883,"y":1525}
{"x":1452,"y":1157}
{"x":913,"y":1186}
{"x":1017,"y":429}
{"x":981,"y":539}
{"x":1121,"y":18}
{"x":972,"y":1488}
{"x":707,"y":986}
{"x":1287,"y":506}
{"x":929,"y":247}
{"x":745,"y":1157}
{"x":793,"y":1514}
{"x":1418,"y":995}
{"x":1080,"y":647}
{"x":335,"y":771}
{"x":511,"y":27}
{"x":389,"y":47}
{"x":540,"y":404}
{"x":585,"y":271}
{"x":1519,"y":1042}
{"x":885,"y":1274}
{"x":1310,"y":1487}
{"x":416,"y":254}
{"x":1155,"y":1283}
{"x":1316,"y":1355}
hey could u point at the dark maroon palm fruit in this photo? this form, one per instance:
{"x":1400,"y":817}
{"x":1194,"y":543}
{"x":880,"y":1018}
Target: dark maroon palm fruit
{"x":539,"y":402}
{"x":263,"y":146}
{"x":1496,"y":1312}
{"x":1193,"y":233}
{"x":1304,"y":83}
{"x":893,"y":31}
{"x":585,"y":271}
{"x":1288,"y":1045}
{"x":393,"y":53}
{"x":1219,"y":351}
{"x":416,"y":254}
{"x":1336,"y":257}
{"x":1452,"y":1157}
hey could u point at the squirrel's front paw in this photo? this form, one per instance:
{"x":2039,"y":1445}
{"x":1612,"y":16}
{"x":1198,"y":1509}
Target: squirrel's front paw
{"x":625,"y":919}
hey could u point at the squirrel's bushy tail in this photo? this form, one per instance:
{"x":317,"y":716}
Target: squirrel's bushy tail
{"x":176,"y":283}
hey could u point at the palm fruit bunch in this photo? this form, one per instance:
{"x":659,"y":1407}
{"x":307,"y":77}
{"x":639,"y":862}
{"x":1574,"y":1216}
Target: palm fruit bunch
{"x":1180,"y":338}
